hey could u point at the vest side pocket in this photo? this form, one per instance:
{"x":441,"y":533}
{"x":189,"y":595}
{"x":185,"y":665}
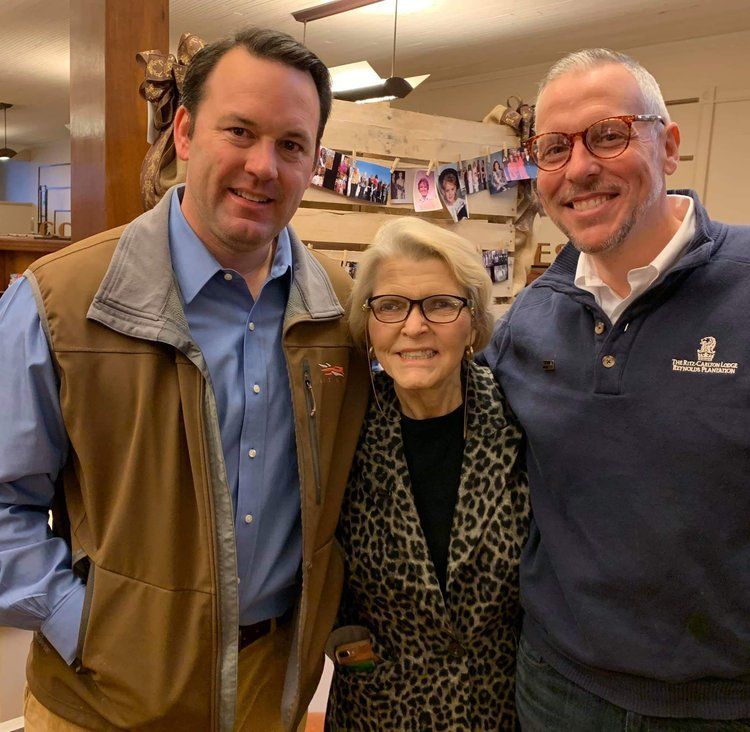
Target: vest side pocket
{"x":86,"y":611}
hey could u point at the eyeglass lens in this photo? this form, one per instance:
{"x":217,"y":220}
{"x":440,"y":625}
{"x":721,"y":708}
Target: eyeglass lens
{"x":607,"y":138}
{"x":437,"y":308}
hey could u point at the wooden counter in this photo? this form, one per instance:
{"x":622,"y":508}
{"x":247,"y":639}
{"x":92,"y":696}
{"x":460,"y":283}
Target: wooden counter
{"x":18,"y":252}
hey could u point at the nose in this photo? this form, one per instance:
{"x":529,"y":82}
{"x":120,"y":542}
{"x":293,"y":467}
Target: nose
{"x":260,"y":160}
{"x":582,"y":163}
{"x":415,"y":322}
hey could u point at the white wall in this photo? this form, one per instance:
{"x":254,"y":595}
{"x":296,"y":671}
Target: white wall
{"x":716,"y":127}
{"x":680,"y":67}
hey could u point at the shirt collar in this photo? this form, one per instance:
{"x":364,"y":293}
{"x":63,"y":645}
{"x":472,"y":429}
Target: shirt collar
{"x":586,"y":274}
{"x":194,"y":265}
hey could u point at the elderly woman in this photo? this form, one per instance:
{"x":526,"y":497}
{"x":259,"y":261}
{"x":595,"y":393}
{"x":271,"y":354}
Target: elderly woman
{"x":436,"y":507}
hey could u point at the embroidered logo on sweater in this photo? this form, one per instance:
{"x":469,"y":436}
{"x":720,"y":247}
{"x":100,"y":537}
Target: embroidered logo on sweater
{"x":331,"y":372}
{"x":705,"y":363}
{"x":707,"y":351}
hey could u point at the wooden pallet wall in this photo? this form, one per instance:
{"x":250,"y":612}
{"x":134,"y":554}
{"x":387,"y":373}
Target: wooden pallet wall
{"x":380,"y":134}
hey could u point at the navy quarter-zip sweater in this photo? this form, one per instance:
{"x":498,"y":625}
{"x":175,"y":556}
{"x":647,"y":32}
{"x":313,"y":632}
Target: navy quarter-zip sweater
{"x":636,"y":576}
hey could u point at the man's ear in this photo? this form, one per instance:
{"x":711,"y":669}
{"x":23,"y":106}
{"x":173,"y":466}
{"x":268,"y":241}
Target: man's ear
{"x":671,"y":148}
{"x":182,"y":133}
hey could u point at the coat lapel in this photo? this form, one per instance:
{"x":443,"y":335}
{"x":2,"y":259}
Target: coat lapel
{"x":479,"y":493}
{"x":396,"y":501}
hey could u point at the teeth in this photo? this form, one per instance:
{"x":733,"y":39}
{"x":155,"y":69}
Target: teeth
{"x":589,"y":203}
{"x":250,"y":196}
{"x":418,"y":354}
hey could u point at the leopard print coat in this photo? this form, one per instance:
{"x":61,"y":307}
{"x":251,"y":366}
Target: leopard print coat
{"x":447,"y":663}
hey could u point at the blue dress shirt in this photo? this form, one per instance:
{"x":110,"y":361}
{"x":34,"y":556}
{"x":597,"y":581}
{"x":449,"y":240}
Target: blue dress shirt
{"x":241,"y":341}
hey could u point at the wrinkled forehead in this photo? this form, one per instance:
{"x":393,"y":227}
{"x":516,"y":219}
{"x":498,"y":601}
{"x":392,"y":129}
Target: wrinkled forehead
{"x":581,"y":97}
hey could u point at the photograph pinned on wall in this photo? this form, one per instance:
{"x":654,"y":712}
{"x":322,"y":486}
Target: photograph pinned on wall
{"x":326,"y":157}
{"x":496,"y":264}
{"x":342,"y":165}
{"x":449,"y":190}
{"x":425,"y":193}
{"x":372,"y":182}
{"x":499,"y":265}
{"x":350,"y":267}
{"x":332,"y":171}
{"x":496,"y":182}
{"x":517,"y":165}
{"x":475,"y":175}
{"x":402,"y":185}
{"x":324,"y":164}
{"x":465,"y":177}
{"x":531,"y":170}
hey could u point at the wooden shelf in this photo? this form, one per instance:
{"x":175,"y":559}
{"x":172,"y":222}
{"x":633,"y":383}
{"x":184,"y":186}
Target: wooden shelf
{"x":18,"y":252}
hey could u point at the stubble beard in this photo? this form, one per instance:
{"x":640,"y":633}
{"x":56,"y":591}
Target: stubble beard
{"x":617,"y":237}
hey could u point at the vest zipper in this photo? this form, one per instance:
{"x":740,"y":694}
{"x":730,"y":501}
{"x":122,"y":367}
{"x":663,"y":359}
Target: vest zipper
{"x":313,"y":427}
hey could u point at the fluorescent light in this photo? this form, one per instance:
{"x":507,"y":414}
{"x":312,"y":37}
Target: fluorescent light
{"x":405,"y":7}
{"x":358,"y":82}
{"x":354,"y":76}
{"x":372,"y":100}
{"x":326,"y":10}
{"x":415,"y":81}
{"x":350,"y":78}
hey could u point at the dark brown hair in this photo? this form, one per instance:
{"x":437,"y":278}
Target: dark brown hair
{"x":263,"y":43}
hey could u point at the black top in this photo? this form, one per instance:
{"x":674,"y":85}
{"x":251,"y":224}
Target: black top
{"x":434,"y":450}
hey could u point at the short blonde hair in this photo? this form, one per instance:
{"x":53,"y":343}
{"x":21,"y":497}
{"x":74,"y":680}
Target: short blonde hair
{"x":415,"y":239}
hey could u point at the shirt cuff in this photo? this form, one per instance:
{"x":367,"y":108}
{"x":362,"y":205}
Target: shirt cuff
{"x":62,"y":627}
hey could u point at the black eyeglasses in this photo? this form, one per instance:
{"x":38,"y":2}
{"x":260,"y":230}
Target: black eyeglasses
{"x":605,"y":139}
{"x":435,"y":308}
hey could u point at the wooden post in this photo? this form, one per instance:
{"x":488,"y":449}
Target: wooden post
{"x":107,"y":115}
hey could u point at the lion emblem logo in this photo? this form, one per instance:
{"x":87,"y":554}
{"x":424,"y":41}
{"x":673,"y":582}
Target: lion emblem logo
{"x":707,"y":351}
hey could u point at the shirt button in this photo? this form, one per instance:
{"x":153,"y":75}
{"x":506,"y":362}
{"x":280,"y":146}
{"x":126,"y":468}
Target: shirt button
{"x":227,"y":276}
{"x":249,"y":518}
{"x":608,"y":362}
{"x":599,"y":327}
{"x":252,"y":453}
{"x":251,"y":326}
{"x":256,"y":389}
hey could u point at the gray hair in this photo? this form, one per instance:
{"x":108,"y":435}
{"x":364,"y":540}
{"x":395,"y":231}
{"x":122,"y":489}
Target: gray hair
{"x":415,"y":239}
{"x":591,"y":58}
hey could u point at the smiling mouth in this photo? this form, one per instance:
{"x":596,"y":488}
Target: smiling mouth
{"x":587,"y":204}
{"x":417,"y":355}
{"x":250,"y":196}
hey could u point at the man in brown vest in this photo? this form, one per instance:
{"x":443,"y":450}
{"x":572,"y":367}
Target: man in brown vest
{"x":177,"y":411}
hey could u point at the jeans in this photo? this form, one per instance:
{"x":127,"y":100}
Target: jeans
{"x":547,"y":702}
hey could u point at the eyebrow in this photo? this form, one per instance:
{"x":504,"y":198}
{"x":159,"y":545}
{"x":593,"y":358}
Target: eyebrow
{"x":236,"y":119}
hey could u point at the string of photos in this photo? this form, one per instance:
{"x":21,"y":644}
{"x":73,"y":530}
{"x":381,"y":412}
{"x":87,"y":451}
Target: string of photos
{"x":449,"y":186}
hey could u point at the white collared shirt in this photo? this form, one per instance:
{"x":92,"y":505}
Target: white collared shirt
{"x":640,"y":279}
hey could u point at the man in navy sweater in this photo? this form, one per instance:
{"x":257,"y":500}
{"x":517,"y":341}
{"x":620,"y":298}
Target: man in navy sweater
{"x":627,"y":366}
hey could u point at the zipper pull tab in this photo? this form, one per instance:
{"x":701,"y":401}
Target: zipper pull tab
{"x":308,"y":385}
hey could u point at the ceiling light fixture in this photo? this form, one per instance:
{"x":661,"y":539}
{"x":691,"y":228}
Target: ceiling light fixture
{"x":6,"y":153}
{"x":359,"y":82}
{"x":328,"y":9}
